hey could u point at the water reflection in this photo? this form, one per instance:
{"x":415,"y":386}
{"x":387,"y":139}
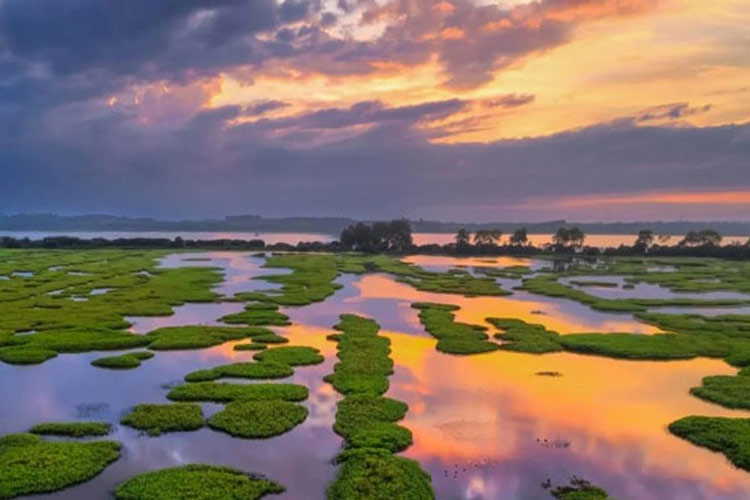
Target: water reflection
{"x":484,"y":426}
{"x":646,"y":290}
{"x":68,"y":388}
{"x":488,"y":427}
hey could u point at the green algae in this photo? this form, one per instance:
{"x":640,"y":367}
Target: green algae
{"x":29,"y":465}
{"x":258,"y":419}
{"x":156,"y":419}
{"x":196,"y":482}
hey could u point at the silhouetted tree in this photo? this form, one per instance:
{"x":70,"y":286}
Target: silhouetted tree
{"x":463,"y":236}
{"x":393,"y":236}
{"x":487,"y":237}
{"x":520,"y":237}
{"x":566,"y":238}
{"x":705,"y":237}
{"x":644,"y":240}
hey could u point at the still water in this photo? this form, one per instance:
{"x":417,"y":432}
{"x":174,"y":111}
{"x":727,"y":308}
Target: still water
{"x":485,"y":427}
{"x":595,"y":240}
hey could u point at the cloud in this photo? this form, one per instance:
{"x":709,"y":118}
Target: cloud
{"x":509,"y":101}
{"x":205,"y":166}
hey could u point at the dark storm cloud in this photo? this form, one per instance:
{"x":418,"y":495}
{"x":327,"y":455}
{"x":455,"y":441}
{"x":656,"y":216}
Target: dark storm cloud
{"x":143,"y":37}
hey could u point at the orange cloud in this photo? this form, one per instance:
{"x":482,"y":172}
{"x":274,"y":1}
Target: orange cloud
{"x":581,"y":10}
{"x":452,"y":33}
{"x":681,"y":198}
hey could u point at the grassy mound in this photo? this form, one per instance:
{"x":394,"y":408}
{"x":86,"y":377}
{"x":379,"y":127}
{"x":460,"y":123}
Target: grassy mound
{"x":732,"y":392}
{"x":29,"y":465}
{"x":258,"y":419}
{"x":263,"y":370}
{"x":729,"y":436}
{"x":156,"y":419}
{"x":73,"y":429}
{"x":223,"y":392}
{"x":291,"y":356}
{"x":367,"y":421}
{"x":196,"y":337}
{"x":196,"y":482}
{"x":123,"y":362}
{"x":453,"y":337}
{"x":380,"y":476}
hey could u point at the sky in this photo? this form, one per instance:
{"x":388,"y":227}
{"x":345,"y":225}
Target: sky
{"x":464,"y":110}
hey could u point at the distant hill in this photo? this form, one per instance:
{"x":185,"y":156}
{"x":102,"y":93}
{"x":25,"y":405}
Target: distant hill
{"x":334,"y":225}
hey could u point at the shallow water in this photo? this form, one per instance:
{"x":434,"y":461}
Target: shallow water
{"x":646,"y":290}
{"x":479,"y":422}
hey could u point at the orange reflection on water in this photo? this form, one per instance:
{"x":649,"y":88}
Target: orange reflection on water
{"x":612,"y":412}
{"x":442,"y":260}
{"x":558,"y":315}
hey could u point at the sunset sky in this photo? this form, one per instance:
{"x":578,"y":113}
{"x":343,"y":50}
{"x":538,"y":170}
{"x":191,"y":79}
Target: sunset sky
{"x":470,"y":110}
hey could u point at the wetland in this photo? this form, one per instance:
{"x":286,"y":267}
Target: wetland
{"x":372,"y":376}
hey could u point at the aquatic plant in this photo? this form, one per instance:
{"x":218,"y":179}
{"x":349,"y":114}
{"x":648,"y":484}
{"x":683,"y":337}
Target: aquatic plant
{"x":729,"y":436}
{"x":72,"y":429}
{"x":290,"y":355}
{"x":195,"y":337}
{"x":367,"y":421}
{"x":29,"y":465}
{"x":262,"y":370}
{"x":224,"y":392}
{"x":453,"y":337}
{"x":378,"y":475}
{"x":124,"y":361}
{"x":156,"y":419}
{"x":196,"y":481}
{"x":258,"y":419}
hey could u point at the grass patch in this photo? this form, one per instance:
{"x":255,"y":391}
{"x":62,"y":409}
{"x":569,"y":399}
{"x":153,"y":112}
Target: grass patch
{"x":253,"y":346}
{"x":270,"y":338}
{"x":261,"y":314}
{"x":367,"y":421}
{"x":224,"y":392}
{"x":196,"y":337}
{"x":729,"y":436}
{"x":517,"y":335}
{"x":157,"y":419}
{"x":291,"y":356}
{"x":732,"y":392}
{"x":264,"y":370}
{"x":579,"y":489}
{"x":72,"y":429}
{"x":258,"y":419}
{"x":379,"y":476}
{"x":196,"y":482}
{"x":123,"y":362}
{"x":29,"y":465}
{"x":453,"y":337}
